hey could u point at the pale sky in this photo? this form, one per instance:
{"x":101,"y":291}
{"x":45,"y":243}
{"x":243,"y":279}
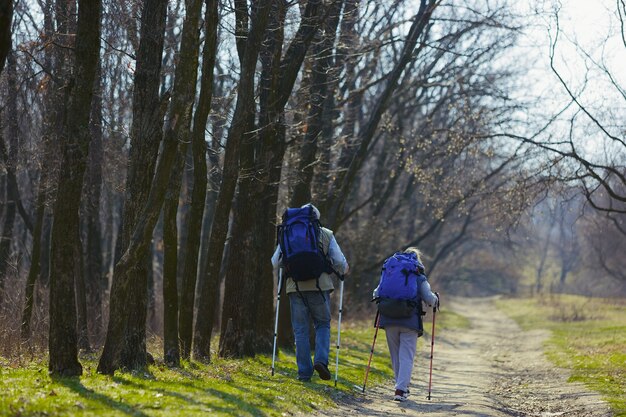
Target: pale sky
{"x":594,"y":26}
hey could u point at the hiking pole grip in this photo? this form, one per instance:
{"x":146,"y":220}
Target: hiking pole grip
{"x":339,"y":332}
{"x":432,"y":351}
{"x":279,"y":286}
{"x":369,"y":362}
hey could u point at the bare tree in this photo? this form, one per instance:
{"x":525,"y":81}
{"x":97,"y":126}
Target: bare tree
{"x":250,"y":35}
{"x":126,"y":335}
{"x":596,"y":176}
{"x":198,"y":195}
{"x":66,"y":258}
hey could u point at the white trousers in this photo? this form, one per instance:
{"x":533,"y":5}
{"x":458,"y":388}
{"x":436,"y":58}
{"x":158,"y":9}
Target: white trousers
{"x":402,"y":343}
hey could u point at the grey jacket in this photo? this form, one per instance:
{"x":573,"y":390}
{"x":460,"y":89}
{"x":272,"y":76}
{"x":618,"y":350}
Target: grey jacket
{"x":336,"y":257}
{"x":415,"y":321}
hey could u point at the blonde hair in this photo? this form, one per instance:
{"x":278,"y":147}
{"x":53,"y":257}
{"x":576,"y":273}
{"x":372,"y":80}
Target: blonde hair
{"x":416,"y":251}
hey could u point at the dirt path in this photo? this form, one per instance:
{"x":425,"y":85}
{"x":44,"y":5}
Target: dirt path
{"x":494,"y":369}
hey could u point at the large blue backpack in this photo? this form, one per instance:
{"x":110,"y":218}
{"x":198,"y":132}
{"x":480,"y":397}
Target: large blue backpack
{"x":398,"y":290}
{"x":300,"y":244}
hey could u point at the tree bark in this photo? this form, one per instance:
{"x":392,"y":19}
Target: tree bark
{"x":198,"y":194}
{"x":125,"y":341}
{"x":81,"y":303}
{"x":133,"y":259}
{"x":6,"y":16}
{"x":215,"y":178}
{"x":246,"y":325}
{"x":183,"y":97}
{"x":321,"y":54}
{"x":9,"y":159}
{"x":94,"y":277}
{"x":66,"y":249}
{"x":243,"y":111}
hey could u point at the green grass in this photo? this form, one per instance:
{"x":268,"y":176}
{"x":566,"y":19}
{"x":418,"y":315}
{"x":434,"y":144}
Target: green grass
{"x":588,"y":337}
{"x":447,"y":319}
{"x":223,"y":388}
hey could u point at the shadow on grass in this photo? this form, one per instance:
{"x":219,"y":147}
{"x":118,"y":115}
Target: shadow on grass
{"x":75,"y":385}
{"x":234,"y":404}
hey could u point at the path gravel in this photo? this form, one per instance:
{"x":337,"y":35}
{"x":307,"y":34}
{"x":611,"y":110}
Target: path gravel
{"x":493,"y":369}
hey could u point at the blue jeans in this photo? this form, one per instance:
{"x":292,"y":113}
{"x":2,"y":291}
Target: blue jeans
{"x":303,"y":304}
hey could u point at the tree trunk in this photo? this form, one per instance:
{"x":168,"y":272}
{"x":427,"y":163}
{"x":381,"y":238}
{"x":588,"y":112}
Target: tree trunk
{"x":238,"y":321}
{"x":133,"y":259}
{"x":246,"y":326}
{"x":321,"y":54}
{"x":66,"y":250}
{"x":170,"y":256}
{"x":198,"y":194}
{"x":81,"y":301}
{"x":125,"y":340}
{"x":9,"y":159}
{"x":215,"y":178}
{"x":183,"y":97}
{"x":6,"y":15}
{"x":94,"y":277}
{"x":35,"y":263}
{"x":54,"y":104}
{"x":243,"y":110}
{"x":152,"y":317}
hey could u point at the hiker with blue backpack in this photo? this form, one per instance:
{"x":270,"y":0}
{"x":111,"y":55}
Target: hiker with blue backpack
{"x":307,"y":255}
{"x":402,"y":289}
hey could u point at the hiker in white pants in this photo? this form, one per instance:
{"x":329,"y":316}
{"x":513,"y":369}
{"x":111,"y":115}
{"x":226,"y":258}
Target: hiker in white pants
{"x":402,"y":342}
{"x":402,"y":333}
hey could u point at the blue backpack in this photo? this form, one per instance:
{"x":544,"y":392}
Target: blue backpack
{"x":299,"y":240}
{"x":398,"y":290}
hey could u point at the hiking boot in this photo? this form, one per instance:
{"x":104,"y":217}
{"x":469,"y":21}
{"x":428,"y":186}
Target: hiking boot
{"x":304,"y":379}
{"x":400,"y":395}
{"x":322,"y":371}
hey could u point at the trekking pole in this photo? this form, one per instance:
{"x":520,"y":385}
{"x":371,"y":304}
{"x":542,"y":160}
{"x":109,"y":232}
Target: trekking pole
{"x":339,"y":331}
{"x":432,"y":349}
{"x":280,"y":283}
{"x":367,"y":370}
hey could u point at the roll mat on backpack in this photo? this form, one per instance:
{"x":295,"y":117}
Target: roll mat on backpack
{"x":299,"y":239}
{"x":398,"y":291}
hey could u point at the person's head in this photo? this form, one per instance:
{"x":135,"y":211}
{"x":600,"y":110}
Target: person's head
{"x":417,"y":253}
{"x":315,"y":210}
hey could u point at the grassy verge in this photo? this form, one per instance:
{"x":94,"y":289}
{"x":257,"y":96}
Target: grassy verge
{"x":222,"y":388}
{"x":588,"y":337}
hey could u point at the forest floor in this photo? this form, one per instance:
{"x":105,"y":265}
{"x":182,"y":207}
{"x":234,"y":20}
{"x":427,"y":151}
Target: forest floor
{"x":492,"y":369}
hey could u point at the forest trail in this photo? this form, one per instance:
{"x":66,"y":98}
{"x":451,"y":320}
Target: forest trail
{"x":493,"y":369}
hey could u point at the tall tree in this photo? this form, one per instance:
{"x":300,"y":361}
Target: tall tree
{"x":8,"y":156}
{"x":126,"y":334}
{"x":246,"y":326}
{"x":66,"y":248}
{"x":94,"y":277}
{"x":346,"y":180}
{"x":319,"y":85}
{"x":198,"y":194}
{"x":249,"y":41}
{"x":53,"y":104}
{"x":179,"y":128}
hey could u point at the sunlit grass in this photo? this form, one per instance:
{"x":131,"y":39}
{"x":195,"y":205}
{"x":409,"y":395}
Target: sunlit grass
{"x":226,"y":387}
{"x":222,"y":388}
{"x":588,"y":337}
